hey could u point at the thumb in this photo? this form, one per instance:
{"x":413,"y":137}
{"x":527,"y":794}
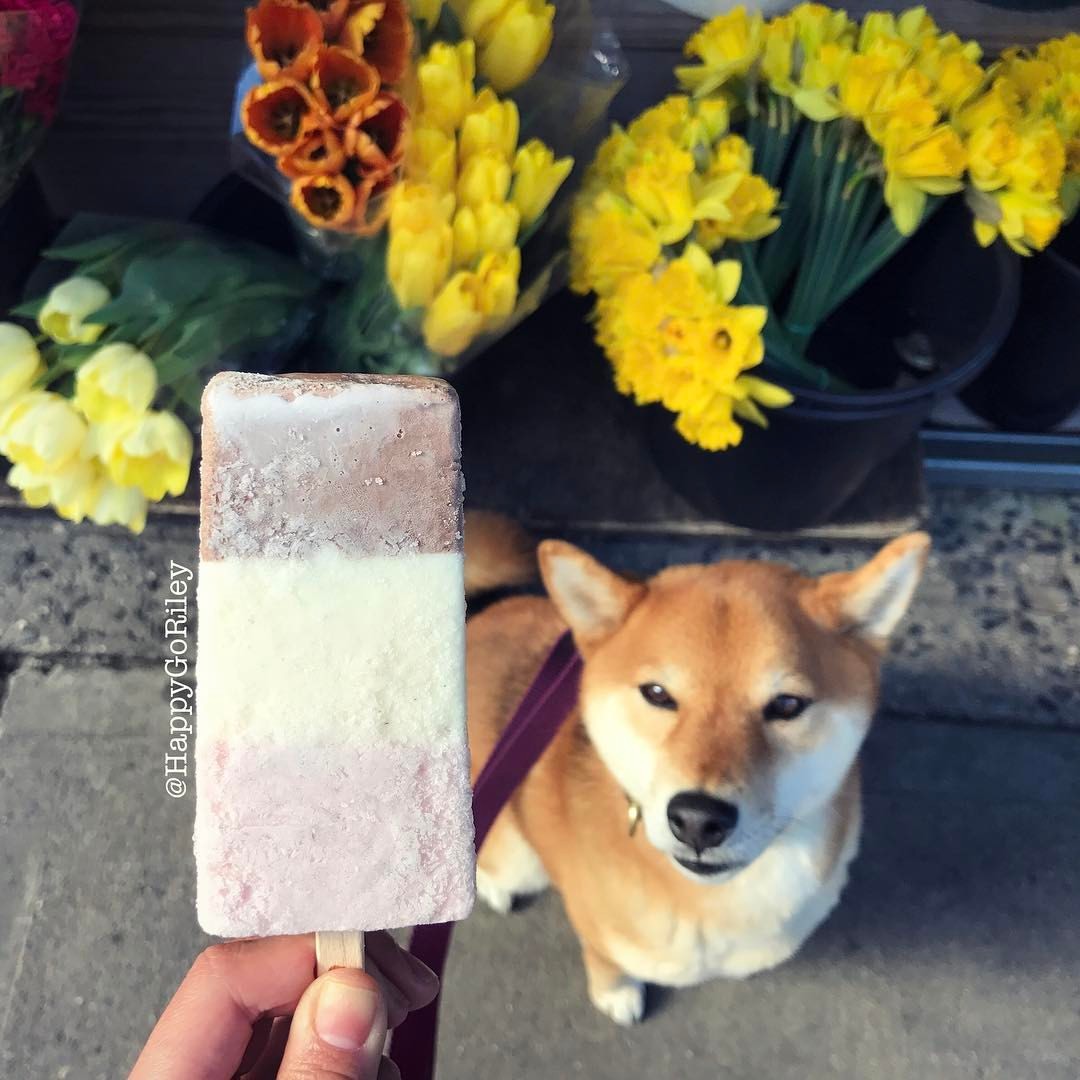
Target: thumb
{"x":338,"y":1030}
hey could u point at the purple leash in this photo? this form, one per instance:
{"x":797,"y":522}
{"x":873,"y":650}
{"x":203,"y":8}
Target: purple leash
{"x":547,"y":703}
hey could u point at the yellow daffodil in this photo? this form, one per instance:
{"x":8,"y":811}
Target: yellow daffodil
{"x":777,"y":54}
{"x":817,"y":94}
{"x":990,"y":149}
{"x":538,"y":175}
{"x":42,"y":431}
{"x":727,"y":47}
{"x":904,"y":102}
{"x":151,"y":453}
{"x":117,"y":383}
{"x":1023,"y":220}
{"x":863,"y":80}
{"x":489,"y":124}
{"x":487,"y":227}
{"x":68,"y":307}
{"x":658,"y":184}
{"x":484,"y":178}
{"x":515,"y":43}
{"x":445,"y":76}
{"x":20,"y":361}
{"x":432,"y":158}
{"x":666,"y":121}
{"x":610,"y":239}
{"x":918,"y":163}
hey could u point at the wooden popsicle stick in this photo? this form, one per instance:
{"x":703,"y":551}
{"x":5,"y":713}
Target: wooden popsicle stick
{"x":339,"y":949}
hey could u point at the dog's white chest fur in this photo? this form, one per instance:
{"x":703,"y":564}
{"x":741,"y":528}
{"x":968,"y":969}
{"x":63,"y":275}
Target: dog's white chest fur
{"x":760,"y":918}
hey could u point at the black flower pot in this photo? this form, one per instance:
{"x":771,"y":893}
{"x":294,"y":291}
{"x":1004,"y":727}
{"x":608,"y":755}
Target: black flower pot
{"x":1034,"y":382}
{"x":943,"y":300}
{"x":26,"y":226}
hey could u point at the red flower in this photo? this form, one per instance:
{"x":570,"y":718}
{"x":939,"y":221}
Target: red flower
{"x":35,"y":41}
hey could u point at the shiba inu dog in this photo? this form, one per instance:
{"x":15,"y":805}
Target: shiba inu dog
{"x":699,"y":810}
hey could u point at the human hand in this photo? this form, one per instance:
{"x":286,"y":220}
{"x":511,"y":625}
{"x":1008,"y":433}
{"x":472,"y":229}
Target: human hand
{"x":254,"y":1009}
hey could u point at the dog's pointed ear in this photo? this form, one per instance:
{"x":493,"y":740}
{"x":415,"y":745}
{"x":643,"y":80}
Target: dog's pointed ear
{"x":871,"y":601}
{"x":593,"y":600}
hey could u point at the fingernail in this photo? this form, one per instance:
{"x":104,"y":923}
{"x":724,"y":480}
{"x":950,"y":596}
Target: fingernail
{"x":345,"y":1013}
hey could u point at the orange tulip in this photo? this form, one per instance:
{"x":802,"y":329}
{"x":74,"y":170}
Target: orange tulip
{"x":372,"y":208}
{"x":320,"y":154}
{"x":279,"y":115}
{"x":326,"y":201}
{"x":332,"y":13}
{"x":376,"y":136}
{"x":343,"y":83}
{"x":284,"y":37}
{"x":385,"y":39}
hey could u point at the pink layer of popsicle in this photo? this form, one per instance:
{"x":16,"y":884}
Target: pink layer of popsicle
{"x":388,"y":815}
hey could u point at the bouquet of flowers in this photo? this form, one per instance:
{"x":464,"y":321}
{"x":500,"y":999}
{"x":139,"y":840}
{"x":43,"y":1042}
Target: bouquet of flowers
{"x":849,"y":135}
{"x":88,"y":406}
{"x":36,"y":37}
{"x":407,"y":143}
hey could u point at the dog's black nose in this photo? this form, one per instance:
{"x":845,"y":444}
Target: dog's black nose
{"x":700,"y":820}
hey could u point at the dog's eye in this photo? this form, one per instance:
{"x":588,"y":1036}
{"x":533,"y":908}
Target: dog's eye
{"x":786,"y":707}
{"x":656,"y":695}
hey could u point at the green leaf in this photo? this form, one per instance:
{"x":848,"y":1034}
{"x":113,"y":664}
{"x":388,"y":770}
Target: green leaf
{"x":29,"y":309}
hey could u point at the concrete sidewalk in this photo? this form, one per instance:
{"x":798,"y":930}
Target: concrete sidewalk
{"x":955,"y":952}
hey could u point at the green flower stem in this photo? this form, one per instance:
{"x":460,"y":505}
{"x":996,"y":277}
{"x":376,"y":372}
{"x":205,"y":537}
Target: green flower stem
{"x":883,"y":244}
{"x":781,"y":350}
{"x":780,"y":252}
{"x":827,"y":184}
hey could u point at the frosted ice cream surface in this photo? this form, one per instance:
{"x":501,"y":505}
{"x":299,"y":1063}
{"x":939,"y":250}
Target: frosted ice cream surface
{"x":331,"y":754}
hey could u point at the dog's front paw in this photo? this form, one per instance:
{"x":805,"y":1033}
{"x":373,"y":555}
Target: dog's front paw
{"x":624,"y":1002}
{"x":497,"y":898}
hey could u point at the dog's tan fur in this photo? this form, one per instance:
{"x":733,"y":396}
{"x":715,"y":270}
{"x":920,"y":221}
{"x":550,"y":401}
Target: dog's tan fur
{"x":723,"y":639}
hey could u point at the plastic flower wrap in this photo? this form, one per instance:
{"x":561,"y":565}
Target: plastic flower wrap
{"x":36,"y":37}
{"x":846,"y":135}
{"x":396,"y":135}
{"x":89,"y":407}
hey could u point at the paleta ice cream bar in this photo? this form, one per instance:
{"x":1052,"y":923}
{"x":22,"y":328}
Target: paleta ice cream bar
{"x":332,"y":761}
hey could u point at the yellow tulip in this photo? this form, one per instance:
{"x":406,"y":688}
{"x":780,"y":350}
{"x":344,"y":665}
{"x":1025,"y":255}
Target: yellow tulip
{"x":477,"y":16}
{"x":538,"y":175}
{"x":446,"y":76}
{"x":515,"y":43}
{"x":70,"y":489}
{"x":117,"y":383}
{"x":68,"y":306}
{"x":455,"y":317}
{"x":498,"y":274}
{"x":42,"y":431}
{"x":426,"y":11}
{"x":415,"y":206}
{"x":659,"y":185}
{"x":490,"y":124}
{"x":487,"y":227}
{"x":432,"y":158}
{"x":473,"y":301}
{"x":20,"y":361}
{"x":418,"y":261}
{"x":116,"y":505}
{"x":153,"y":454}
{"x":484,"y":178}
